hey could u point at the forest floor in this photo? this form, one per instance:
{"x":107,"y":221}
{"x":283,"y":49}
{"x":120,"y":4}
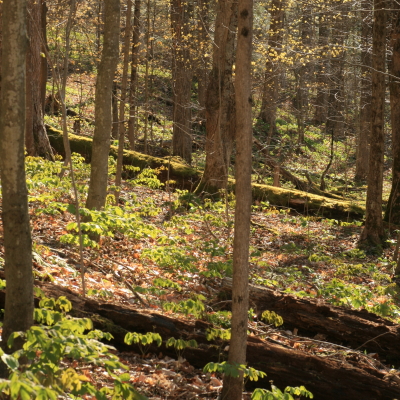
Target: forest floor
{"x":169,"y":252}
{"x":173,"y":251}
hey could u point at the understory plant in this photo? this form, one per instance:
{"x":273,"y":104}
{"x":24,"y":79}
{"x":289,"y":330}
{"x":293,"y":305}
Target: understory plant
{"x":49,"y":364}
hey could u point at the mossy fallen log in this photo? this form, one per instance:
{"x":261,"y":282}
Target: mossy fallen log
{"x":187,"y":178}
{"x":179,"y":172}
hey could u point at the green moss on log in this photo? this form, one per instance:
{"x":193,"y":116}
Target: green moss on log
{"x":187,"y":177}
{"x":307,"y":202}
{"x":83,"y":146}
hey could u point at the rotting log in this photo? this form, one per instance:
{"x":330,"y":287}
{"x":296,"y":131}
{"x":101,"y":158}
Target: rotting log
{"x":357,"y":329}
{"x":326,"y":378}
{"x":187,"y":178}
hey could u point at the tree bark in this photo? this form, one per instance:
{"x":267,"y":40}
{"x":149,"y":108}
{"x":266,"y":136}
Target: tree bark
{"x":392,"y":214}
{"x":103,"y":120}
{"x":220,"y":107}
{"x":203,"y":10}
{"x":181,"y":81}
{"x":36,"y":140}
{"x":373,"y":232}
{"x":272,"y":68}
{"x":134,"y":75}
{"x":321,"y":102}
{"x":232,"y":386}
{"x":124,"y":84}
{"x":17,"y":235}
{"x":362,"y":152}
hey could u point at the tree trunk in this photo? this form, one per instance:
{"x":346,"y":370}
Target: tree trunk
{"x":220,"y":102}
{"x":124,"y":84}
{"x":373,"y":233}
{"x":114,"y":107}
{"x":392,"y":214}
{"x":272,"y":67}
{"x":17,"y":234}
{"x":233,"y":387}
{"x":302,"y":73}
{"x":181,"y":81}
{"x":134,"y":75}
{"x":36,"y":140}
{"x":203,"y":61}
{"x":103,"y":120}
{"x":44,"y":50}
{"x":321,"y":102}
{"x":362,"y":152}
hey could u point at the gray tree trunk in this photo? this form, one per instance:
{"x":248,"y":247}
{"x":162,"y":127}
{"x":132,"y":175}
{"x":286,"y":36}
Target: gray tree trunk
{"x":102,"y":131}
{"x":233,"y":387}
{"x":17,"y":234}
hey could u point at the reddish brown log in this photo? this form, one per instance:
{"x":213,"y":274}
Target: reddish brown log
{"x":326,"y":378}
{"x":351,"y":328}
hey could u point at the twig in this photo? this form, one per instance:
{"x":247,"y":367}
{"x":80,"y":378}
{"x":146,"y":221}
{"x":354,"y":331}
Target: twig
{"x":128,"y":285}
{"x":370,"y":340}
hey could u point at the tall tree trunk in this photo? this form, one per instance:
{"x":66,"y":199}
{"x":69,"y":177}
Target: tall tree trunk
{"x":203,"y":62}
{"x":134,"y":75}
{"x":17,"y":234}
{"x":44,"y":50}
{"x":392,"y":214}
{"x":362,"y":152}
{"x":124,"y":84}
{"x":181,"y":81}
{"x":233,"y":387}
{"x":36,"y":140}
{"x":272,"y":67}
{"x":103,"y":120}
{"x":320,"y":113}
{"x":373,"y":233}
{"x":302,"y":73}
{"x":220,"y":103}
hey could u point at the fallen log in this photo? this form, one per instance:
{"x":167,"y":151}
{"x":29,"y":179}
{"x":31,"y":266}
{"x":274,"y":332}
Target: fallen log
{"x":326,"y":378}
{"x":188,"y":178}
{"x":352,"y":328}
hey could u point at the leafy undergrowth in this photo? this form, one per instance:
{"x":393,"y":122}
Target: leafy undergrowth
{"x":169,"y":251}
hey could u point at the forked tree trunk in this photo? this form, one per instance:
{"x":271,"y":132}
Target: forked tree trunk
{"x":220,"y":102}
{"x":103,"y":120}
{"x":17,"y":234}
{"x":36,"y":140}
{"x":233,"y":387}
{"x":373,"y":233}
{"x":181,"y":81}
